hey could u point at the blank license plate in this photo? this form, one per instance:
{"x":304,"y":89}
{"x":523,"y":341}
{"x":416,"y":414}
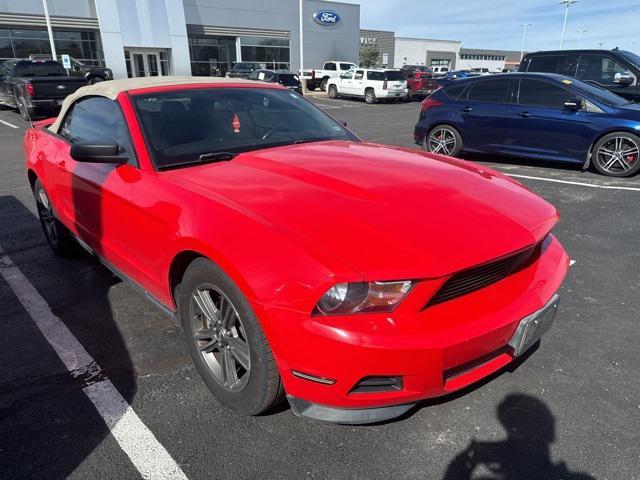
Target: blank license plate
{"x":532,"y":327}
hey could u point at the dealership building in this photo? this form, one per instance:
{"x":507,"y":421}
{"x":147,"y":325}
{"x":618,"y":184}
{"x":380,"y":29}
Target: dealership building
{"x":182,"y":37}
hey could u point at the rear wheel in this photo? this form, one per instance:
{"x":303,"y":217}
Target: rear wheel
{"x":333,"y":91}
{"x":58,"y":236}
{"x":616,"y":154}
{"x":25,"y":112}
{"x":445,"y":140}
{"x":226,"y":342}
{"x":370,"y":96}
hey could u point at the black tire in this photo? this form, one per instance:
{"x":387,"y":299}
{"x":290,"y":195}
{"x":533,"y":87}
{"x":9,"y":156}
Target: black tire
{"x":333,"y":91}
{"x":25,"y":112}
{"x":441,"y":133}
{"x":94,"y":80}
{"x":323,"y":84}
{"x":58,"y":236}
{"x":609,"y":157}
{"x":370,"y":96}
{"x":263,"y":388}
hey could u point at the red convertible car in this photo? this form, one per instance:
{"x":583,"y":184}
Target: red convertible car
{"x":356,"y":279}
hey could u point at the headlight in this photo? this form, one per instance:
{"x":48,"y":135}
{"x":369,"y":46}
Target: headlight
{"x":362,"y":297}
{"x":107,"y":73}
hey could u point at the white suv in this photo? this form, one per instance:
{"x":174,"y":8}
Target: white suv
{"x":372,"y":85}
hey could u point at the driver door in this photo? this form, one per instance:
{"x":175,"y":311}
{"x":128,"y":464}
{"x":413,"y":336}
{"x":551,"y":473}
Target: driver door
{"x":93,"y":198}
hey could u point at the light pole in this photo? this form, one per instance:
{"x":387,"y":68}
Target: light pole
{"x":580,"y":32}
{"x":301,"y":38}
{"x":524,"y":36}
{"x":48,"y":20}
{"x":567,"y":4}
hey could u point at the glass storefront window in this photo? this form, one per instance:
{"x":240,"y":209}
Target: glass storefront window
{"x":211,"y":56}
{"x":272,"y":52}
{"x":22,"y":42}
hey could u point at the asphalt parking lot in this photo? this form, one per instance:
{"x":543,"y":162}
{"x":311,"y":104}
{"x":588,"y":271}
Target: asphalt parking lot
{"x":569,"y":410}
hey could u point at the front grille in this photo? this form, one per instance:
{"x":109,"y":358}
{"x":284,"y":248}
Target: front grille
{"x":476,"y":278}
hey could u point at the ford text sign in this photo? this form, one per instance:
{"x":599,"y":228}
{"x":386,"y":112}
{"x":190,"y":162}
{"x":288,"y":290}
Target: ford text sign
{"x":326,"y":18}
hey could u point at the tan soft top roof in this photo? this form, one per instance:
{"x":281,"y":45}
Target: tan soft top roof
{"x":112,"y":88}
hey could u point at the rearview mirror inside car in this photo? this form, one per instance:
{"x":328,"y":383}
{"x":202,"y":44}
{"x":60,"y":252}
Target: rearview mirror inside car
{"x":573,"y":104}
{"x":623,"y":78}
{"x":98,"y":152}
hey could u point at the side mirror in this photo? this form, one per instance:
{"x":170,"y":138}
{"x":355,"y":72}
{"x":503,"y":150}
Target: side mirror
{"x":623,"y":78}
{"x":573,"y":104}
{"x":98,"y":152}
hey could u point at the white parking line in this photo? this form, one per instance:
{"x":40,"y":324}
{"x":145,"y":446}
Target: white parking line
{"x":581,"y":184}
{"x":136,"y":440}
{"x":8,"y":124}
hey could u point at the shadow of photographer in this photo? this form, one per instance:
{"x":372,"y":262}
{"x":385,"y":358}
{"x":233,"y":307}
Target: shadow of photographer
{"x":524,"y":454}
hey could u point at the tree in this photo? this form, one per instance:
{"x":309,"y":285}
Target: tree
{"x":369,"y":55}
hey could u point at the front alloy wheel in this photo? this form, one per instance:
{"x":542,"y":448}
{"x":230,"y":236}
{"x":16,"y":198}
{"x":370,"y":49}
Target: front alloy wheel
{"x":226,"y":341}
{"x":616,"y":155}
{"x":220,"y":337}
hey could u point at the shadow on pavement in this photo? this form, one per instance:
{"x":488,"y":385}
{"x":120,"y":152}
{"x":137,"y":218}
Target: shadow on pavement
{"x":48,"y":426}
{"x":524,"y":454}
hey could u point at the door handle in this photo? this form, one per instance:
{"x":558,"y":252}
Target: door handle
{"x":61,"y":166}
{"x":467,"y":109}
{"x":524,"y":114}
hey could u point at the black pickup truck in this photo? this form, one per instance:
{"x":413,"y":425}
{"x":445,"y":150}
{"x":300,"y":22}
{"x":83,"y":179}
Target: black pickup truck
{"x":615,"y":70}
{"x":35,"y":87}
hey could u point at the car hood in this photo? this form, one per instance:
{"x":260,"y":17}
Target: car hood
{"x":386,"y":212}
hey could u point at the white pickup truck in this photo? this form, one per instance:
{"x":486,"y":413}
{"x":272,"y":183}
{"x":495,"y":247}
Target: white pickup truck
{"x":331,"y":69}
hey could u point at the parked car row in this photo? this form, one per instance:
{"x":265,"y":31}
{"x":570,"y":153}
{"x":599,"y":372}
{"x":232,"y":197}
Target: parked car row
{"x":536,"y":116}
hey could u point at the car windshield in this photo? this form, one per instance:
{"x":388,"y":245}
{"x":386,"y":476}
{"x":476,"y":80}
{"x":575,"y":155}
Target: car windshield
{"x":600,"y":94}
{"x":183,"y":127}
{"x":630,"y":57}
{"x":244,"y":66}
{"x":39,"y":69}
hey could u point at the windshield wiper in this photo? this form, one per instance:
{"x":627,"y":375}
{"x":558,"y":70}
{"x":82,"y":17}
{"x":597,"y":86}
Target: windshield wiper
{"x":308,"y":140}
{"x":216,"y":156}
{"x":202,"y":159}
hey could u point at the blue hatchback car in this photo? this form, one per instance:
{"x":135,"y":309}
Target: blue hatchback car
{"x":538,"y":116}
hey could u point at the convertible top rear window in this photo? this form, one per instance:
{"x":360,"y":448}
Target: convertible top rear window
{"x":182,"y":126}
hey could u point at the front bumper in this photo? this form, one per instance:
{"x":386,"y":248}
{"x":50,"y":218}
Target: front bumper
{"x":435,"y":350}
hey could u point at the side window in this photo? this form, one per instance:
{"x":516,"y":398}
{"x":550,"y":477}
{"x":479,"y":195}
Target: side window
{"x":254,"y":75}
{"x":95,"y":119}
{"x":454,"y":90}
{"x":546,"y":63}
{"x":359,"y":75}
{"x":542,"y":94}
{"x":599,"y":69}
{"x":346,"y":66}
{"x":348,"y":75}
{"x":330,"y":66}
{"x":269,"y":76}
{"x":490,"y":91}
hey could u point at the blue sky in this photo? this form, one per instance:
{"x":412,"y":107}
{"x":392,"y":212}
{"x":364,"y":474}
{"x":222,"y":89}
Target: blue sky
{"x":496,"y":23}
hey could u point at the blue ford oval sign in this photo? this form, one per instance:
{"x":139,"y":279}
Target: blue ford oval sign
{"x":326,"y":18}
